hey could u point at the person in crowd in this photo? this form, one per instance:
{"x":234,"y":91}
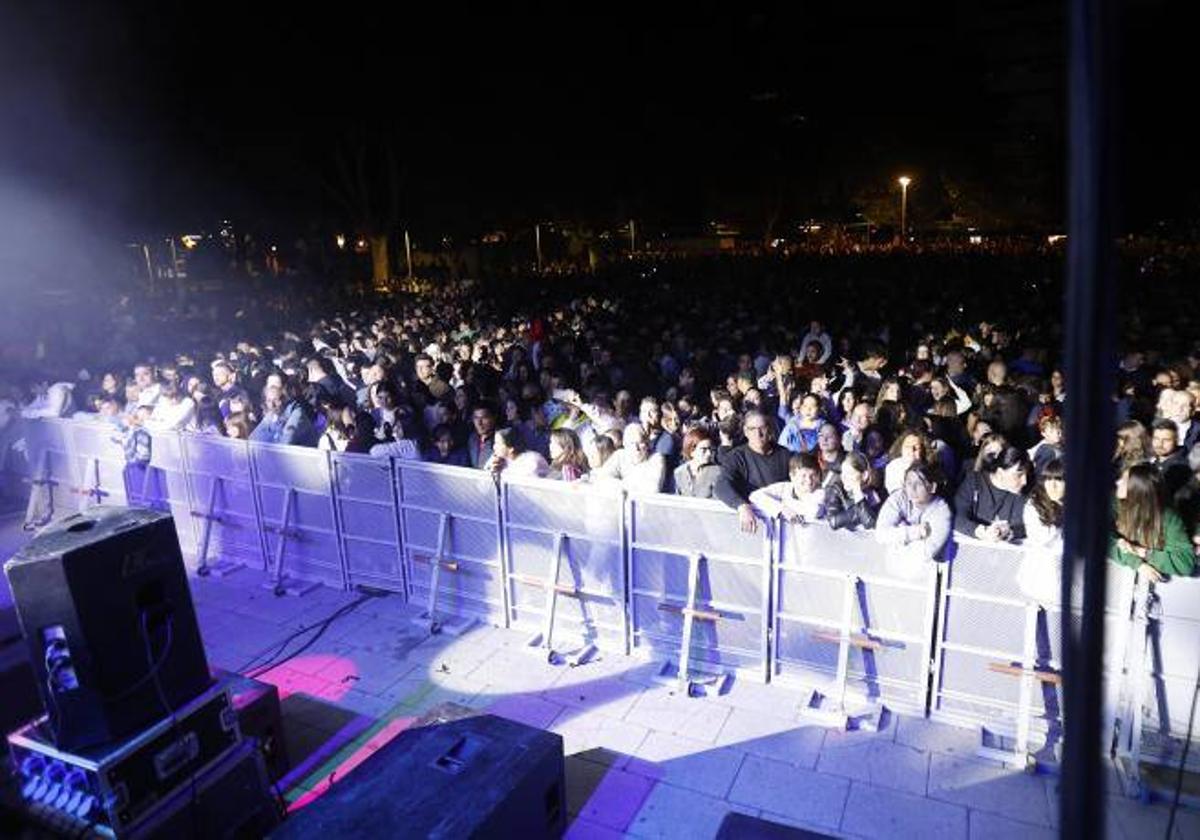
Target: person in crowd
{"x":857,"y":424}
{"x":323,"y":374}
{"x":852,"y":497}
{"x":1050,"y":444}
{"x":634,"y":465}
{"x":697,"y":475}
{"x":915,"y":521}
{"x":173,"y":410}
{"x":1039,"y":575}
{"x":910,"y":447}
{"x":1168,"y":456}
{"x":993,"y":507}
{"x":798,"y":500}
{"x":208,"y":420}
{"x":1133,"y":446}
{"x":225,"y":380}
{"x":661,"y":441}
{"x":1179,"y":407}
{"x":336,"y":434}
{"x":800,"y":432}
{"x":1148,"y":534}
{"x":510,"y":456}
{"x":758,"y":463}
{"x":479,"y":441}
{"x":137,"y":445}
{"x":446,"y":449}
{"x":568,"y":461}
{"x":146,"y":380}
{"x":601,"y":450}
{"x":829,"y":449}
{"x":432,"y":386}
{"x":237,"y":426}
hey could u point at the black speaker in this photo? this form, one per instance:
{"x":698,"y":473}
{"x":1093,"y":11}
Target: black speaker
{"x":105,"y":608}
{"x":478,"y":776}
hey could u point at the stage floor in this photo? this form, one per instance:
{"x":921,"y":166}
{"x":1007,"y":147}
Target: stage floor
{"x":642,"y":761}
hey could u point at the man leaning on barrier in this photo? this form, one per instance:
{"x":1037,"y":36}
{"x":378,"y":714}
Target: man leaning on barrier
{"x":757,"y":463}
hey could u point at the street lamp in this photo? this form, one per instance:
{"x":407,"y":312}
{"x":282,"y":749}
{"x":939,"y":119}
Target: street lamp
{"x":904,"y":182}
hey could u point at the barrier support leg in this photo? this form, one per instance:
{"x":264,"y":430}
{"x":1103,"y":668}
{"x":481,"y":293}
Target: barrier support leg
{"x":281,"y":584}
{"x":41,"y":484}
{"x":542,"y":643}
{"x":689,"y":679}
{"x":831,"y":709}
{"x":992,"y":743}
{"x":223,"y":567}
{"x":1129,"y":748}
{"x":94,"y":493}
{"x":452,"y":625}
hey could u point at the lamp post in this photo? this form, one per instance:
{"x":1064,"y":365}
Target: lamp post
{"x":904,"y":182}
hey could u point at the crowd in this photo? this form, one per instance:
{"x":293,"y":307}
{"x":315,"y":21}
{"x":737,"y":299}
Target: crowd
{"x":894,"y":401}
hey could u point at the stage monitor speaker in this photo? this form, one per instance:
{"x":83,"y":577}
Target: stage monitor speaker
{"x":480,"y":776}
{"x":104,"y":605}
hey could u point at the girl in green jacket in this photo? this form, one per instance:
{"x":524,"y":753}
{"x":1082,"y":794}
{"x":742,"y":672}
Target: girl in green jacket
{"x":1150,"y":536}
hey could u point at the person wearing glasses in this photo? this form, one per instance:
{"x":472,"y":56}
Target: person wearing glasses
{"x":759,"y":462}
{"x":697,"y":475}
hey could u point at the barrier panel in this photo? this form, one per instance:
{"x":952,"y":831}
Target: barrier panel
{"x":51,"y":472}
{"x":222,"y":500}
{"x":368,"y":520}
{"x":567,"y":539}
{"x":731,"y":585}
{"x":999,"y":652}
{"x":163,"y":486}
{"x":1165,"y":668}
{"x":299,"y":524}
{"x":450,"y":522}
{"x":849,"y":624}
{"x":98,"y":463}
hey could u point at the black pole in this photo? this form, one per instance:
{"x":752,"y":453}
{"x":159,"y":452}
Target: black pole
{"x":1089,"y":361}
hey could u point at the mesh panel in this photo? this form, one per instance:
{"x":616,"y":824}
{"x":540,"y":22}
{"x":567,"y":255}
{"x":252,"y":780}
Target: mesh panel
{"x":461,"y":491}
{"x":362,"y":477}
{"x":892,"y":607}
{"x":371,"y":558}
{"x":558,"y":506}
{"x":817,"y":596}
{"x":986,"y":569}
{"x":968,"y":674}
{"x":699,"y":526}
{"x":292,"y":466}
{"x":986,"y":625}
{"x":368,"y":520}
{"x":227,"y":458}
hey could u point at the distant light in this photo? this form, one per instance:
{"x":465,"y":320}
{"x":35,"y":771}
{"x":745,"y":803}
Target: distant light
{"x":904,"y":180}
{"x":274,"y":249}
{"x":976,"y":240}
{"x":1055,"y":238}
{"x":190,"y":240}
{"x":362,"y":243}
{"x":340,"y":239}
{"x":775,"y":243}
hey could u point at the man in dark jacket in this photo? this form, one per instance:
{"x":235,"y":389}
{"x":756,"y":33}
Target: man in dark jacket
{"x":756,"y":463}
{"x":1169,"y":456}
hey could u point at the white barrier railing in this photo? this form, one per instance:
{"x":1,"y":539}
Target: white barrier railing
{"x":848,"y":625}
{"x":653,"y":575}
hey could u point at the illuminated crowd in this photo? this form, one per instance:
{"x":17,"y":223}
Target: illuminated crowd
{"x":912,"y":400}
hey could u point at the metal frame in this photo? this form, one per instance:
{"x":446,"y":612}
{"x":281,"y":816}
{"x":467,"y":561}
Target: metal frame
{"x":339,"y":463}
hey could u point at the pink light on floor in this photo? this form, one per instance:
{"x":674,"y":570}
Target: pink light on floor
{"x":321,"y":675}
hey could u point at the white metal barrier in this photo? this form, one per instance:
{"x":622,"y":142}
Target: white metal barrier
{"x":295,"y":501}
{"x":699,"y":586}
{"x":999,"y":652}
{"x":222,"y":501}
{"x":658,"y":575}
{"x":452,"y":545}
{"x":368,"y":521}
{"x":566,"y":539}
{"x":1164,"y":670}
{"x":51,"y":474}
{"x":98,"y":463}
{"x":846,"y":625}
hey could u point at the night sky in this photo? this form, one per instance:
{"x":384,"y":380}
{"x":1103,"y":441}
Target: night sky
{"x":159,"y":117}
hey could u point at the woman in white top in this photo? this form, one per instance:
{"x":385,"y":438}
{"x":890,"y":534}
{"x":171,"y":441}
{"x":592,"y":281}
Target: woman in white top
{"x":910,"y":447}
{"x":1041,"y":562}
{"x":510,"y":456}
{"x":800,"y":499}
